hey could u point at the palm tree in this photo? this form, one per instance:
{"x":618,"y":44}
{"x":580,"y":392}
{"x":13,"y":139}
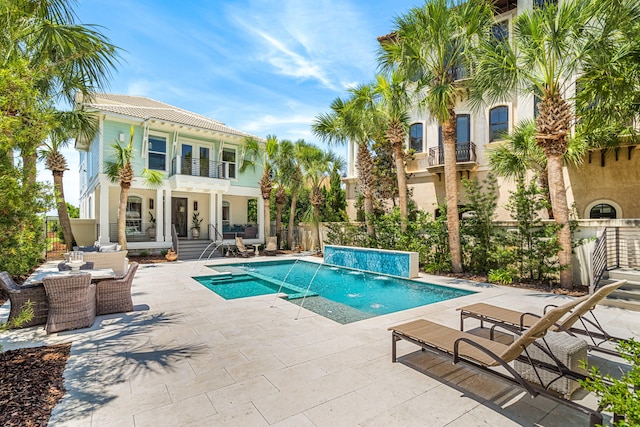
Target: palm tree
{"x":254,"y":149}
{"x":520,"y":154}
{"x":289,"y":175}
{"x":354,"y":120}
{"x":64,"y":57}
{"x":394,"y":102}
{"x":281,"y":198}
{"x":121,"y":171}
{"x":316,"y":166}
{"x":71,"y":124}
{"x":542,"y":60}
{"x":431,"y":46}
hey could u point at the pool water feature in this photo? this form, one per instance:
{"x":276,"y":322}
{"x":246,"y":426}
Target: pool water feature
{"x":339,"y":293}
{"x":392,"y":263}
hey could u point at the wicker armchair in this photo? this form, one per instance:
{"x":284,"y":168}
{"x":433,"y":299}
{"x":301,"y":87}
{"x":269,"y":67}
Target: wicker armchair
{"x":72,"y":302}
{"x":114,"y":296}
{"x":19,"y":295}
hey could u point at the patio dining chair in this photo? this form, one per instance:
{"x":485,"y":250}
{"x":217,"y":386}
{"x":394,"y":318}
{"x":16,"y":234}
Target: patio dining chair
{"x":72,"y":302}
{"x":18,"y":297}
{"x":114,"y":296}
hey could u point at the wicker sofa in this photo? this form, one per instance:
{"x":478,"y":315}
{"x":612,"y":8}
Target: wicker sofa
{"x":116,"y":260}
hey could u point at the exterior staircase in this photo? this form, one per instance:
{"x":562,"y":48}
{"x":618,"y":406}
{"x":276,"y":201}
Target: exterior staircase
{"x":192,"y":249}
{"x":628,"y":295}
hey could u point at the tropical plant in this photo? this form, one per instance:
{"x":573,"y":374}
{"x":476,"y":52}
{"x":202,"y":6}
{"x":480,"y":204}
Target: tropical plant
{"x":290,"y":175}
{"x":63,"y":58}
{"x":619,"y":395}
{"x":334,"y":208}
{"x":316,"y":166}
{"x":394,"y":103}
{"x":542,"y":60}
{"x":477,"y":228}
{"x":255,"y":151}
{"x":70,"y":124}
{"x":121,"y":171}
{"x":354,"y":120}
{"x":431,"y":46}
{"x":196,"y":221}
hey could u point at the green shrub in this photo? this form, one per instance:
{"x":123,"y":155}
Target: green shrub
{"x":619,"y":396}
{"x":144,"y":253}
{"x":503,"y":276}
{"x":164,"y":252}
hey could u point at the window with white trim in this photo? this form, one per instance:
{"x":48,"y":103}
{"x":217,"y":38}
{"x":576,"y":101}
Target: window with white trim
{"x":157,"y":153}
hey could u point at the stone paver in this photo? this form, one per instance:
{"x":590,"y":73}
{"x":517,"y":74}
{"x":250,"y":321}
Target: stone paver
{"x":187,"y":357}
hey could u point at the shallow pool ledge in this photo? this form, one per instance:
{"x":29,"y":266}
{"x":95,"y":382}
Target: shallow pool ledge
{"x":394,"y":263}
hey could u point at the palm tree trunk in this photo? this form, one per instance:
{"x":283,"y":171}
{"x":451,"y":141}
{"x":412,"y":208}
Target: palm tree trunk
{"x":558,"y":194}
{"x":279,"y":222}
{"x":543,"y":182}
{"x":451,"y":188}
{"x":365,"y":171}
{"x":267,"y":218}
{"x":63,"y":215}
{"x":292,"y":219}
{"x":402,"y":183}
{"x":122,"y":216}
{"x":29,"y":169}
{"x":316,"y":215}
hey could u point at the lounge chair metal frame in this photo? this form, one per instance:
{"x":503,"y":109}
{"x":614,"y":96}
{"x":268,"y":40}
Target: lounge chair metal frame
{"x":517,"y":351}
{"x":491,"y":314}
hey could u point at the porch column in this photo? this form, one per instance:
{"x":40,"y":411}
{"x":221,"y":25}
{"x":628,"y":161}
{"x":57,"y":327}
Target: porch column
{"x":159,"y":215}
{"x":261,"y":225}
{"x":212,"y":214}
{"x":167,"y":213}
{"x":104,"y":212}
{"x":219,"y":212}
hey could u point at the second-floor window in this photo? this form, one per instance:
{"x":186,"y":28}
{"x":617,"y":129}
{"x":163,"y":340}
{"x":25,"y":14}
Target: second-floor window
{"x":229,"y":156}
{"x":157,"y":153}
{"x":463,"y":129}
{"x":500,"y":30}
{"x":498,"y":123}
{"x":415,"y":138}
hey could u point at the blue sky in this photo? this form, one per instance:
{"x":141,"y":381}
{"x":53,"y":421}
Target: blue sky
{"x":260,"y":66}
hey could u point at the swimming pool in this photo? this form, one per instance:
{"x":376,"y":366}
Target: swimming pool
{"x":342,"y":294}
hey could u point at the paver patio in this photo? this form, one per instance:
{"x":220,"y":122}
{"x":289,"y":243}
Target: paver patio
{"x":187,"y":357}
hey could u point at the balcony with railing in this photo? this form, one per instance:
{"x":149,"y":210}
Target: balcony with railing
{"x":466,"y":159}
{"x":199,"y":167}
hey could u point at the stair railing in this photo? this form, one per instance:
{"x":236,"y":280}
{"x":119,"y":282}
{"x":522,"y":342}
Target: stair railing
{"x":174,"y":239}
{"x":599,"y":258}
{"x":617,"y":247}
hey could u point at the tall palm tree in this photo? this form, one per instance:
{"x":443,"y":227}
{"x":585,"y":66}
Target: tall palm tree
{"x":71,"y":124}
{"x":281,"y":199}
{"x":316,"y":166}
{"x":542,"y":59}
{"x":354,"y":120}
{"x":288,"y":162}
{"x":430,"y":46}
{"x":65,"y":57}
{"x":394,"y":103}
{"x":121,"y":171}
{"x":255,"y":151}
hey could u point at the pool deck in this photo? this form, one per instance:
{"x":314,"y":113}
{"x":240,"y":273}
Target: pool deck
{"x":187,"y":357}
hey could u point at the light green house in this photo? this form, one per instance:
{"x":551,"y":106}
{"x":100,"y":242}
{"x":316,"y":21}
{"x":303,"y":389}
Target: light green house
{"x":200,"y":158}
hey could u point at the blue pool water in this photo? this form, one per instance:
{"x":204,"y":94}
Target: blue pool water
{"x":335,"y":292}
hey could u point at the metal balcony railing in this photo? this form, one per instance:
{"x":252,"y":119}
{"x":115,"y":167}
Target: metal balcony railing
{"x":199,"y":167}
{"x":465,"y":152}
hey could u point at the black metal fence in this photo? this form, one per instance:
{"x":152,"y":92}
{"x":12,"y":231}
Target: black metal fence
{"x":617,"y":247}
{"x":54,"y":239}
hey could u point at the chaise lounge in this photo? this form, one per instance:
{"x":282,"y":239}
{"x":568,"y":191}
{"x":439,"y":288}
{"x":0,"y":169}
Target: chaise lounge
{"x":484,"y":354}
{"x":272,"y":247}
{"x":518,"y":321}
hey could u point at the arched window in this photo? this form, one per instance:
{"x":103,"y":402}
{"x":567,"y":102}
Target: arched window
{"x":498,"y":122}
{"x":415,"y":138}
{"x":603,"y":210}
